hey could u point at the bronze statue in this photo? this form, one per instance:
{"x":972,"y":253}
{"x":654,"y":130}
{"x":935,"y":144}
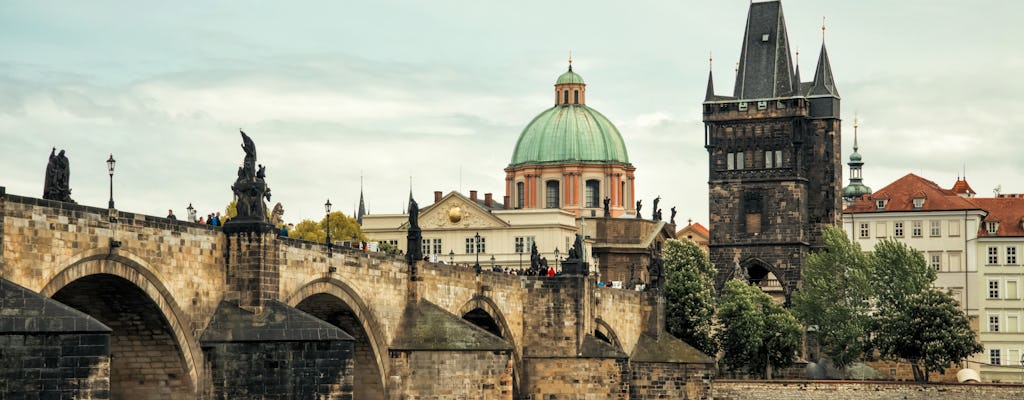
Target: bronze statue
{"x":607,"y":210}
{"x":250,"y":190}
{"x":654,"y":214}
{"x":639,"y":204}
{"x":672,"y":220}
{"x":414,"y":237}
{"x":58,"y":173}
{"x":654,"y":274}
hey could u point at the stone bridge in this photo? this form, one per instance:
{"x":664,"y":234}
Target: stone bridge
{"x":103,"y":303}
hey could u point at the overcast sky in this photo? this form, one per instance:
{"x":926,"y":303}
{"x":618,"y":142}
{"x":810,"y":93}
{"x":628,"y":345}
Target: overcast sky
{"x":439,"y":91}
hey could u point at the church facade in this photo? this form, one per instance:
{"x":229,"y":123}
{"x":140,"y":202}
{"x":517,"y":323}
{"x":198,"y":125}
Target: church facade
{"x":773,"y":158}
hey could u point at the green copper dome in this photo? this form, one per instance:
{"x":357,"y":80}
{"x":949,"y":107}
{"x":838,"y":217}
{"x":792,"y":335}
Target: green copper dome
{"x":855,"y":190}
{"x":855,"y":156}
{"x":569,"y":133}
{"x":569,"y":77}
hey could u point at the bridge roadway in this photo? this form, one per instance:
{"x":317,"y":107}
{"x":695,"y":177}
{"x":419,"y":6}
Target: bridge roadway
{"x":157,"y":283}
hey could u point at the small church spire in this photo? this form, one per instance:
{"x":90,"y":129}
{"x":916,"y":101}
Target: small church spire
{"x":362,"y":205}
{"x":570,"y":60}
{"x":710,"y":95}
{"x":823,"y":28}
{"x":856,"y":123}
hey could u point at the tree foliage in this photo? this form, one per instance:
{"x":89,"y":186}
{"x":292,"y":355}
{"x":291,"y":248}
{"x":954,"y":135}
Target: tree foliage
{"x":929,"y":329}
{"x":900,"y":271}
{"x":689,"y":294}
{"x":836,"y":297}
{"x":342,"y":228}
{"x":231,"y":210}
{"x":755,"y":333}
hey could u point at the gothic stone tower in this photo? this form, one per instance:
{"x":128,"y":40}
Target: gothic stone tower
{"x":773,"y":158}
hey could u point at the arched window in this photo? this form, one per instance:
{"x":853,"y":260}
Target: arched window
{"x":520,"y":195}
{"x":593,"y":195}
{"x":622,"y":194}
{"x":551,"y":194}
{"x":575,"y":97}
{"x":565,"y":97}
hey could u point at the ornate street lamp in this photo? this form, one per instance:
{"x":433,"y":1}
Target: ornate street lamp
{"x":327,"y":209}
{"x":451,"y":257}
{"x":476,"y":249}
{"x":556,"y":259}
{"x":492,"y":262}
{"x":110,"y":170}
{"x":191,"y":213}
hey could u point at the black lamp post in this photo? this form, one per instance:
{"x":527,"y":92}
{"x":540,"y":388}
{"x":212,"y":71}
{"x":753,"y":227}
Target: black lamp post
{"x":556,"y":259}
{"x":476,"y":249}
{"x":327,"y":209}
{"x":492,"y":262}
{"x":451,"y":257}
{"x":191,"y":213}
{"x":110,"y":170}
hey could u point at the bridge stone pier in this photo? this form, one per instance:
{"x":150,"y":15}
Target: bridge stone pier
{"x":102,"y":303}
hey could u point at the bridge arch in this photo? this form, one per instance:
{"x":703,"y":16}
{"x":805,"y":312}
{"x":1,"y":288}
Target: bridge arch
{"x":338,"y":303}
{"x":477,"y":307}
{"x":604,"y":332}
{"x":128,"y":295}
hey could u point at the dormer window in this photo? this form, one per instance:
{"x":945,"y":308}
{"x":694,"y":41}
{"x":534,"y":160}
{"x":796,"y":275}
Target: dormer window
{"x":918,"y":203}
{"x":743,"y":106}
{"x":880,"y":204}
{"x":992,"y":227}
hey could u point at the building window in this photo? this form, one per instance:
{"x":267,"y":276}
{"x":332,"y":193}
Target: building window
{"x":936,"y":261}
{"x":520,"y":194}
{"x":730,"y":161}
{"x":993,"y":289}
{"x":992,"y":227}
{"x":918,"y":203}
{"x":994,"y":357}
{"x":936,"y":229}
{"x":743,"y":106}
{"x":739,"y":160}
{"x":622,"y":194}
{"x":864,"y":231}
{"x":993,"y":255}
{"x":565,"y":97}
{"x":593,"y":193}
{"x":898,"y":229}
{"x":524,"y":244}
{"x":481,"y":247}
{"x":954,"y":228}
{"x":575,"y":97}
{"x":916,"y":228}
{"x":752,"y":209}
{"x":880,"y":204}
{"x":761,"y":105}
{"x":1011,"y":255}
{"x":993,"y":323}
{"x":551,"y":191}
{"x":432,"y":246}
{"x":773,"y":159}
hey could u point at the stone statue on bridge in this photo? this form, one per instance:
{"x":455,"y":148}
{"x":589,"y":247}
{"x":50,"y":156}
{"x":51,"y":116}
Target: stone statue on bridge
{"x":415,"y":236}
{"x":250,"y":190}
{"x":58,"y":174}
{"x":576,"y":263}
{"x":639,"y":205}
{"x":656,"y":213}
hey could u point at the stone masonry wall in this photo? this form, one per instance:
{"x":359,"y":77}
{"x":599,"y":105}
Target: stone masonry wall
{"x":281,"y":370}
{"x":576,"y":379}
{"x":847,"y":390}
{"x":669,"y":381}
{"x":435,"y":375}
{"x":55,"y":366}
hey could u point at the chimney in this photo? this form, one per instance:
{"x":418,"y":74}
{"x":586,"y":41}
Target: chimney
{"x":437,"y":196}
{"x":488,"y":200}
{"x":505,"y":201}
{"x":472,"y":195}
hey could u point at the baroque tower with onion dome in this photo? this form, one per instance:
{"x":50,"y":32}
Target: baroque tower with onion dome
{"x":571,"y":157}
{"x":773,"y":159}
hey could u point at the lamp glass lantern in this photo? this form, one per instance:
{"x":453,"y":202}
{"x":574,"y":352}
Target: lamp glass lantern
{"x":110,"y":171}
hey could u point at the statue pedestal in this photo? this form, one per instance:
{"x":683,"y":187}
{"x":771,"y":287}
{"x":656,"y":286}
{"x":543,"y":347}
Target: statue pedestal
{"x":248,"y":224}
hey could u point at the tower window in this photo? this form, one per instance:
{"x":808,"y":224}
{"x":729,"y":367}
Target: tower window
{"x":622,"y":194}
{"x":593,"y":193}
{"x":551,"y":193}
{"x":565,"y":97}
{"x":520,"y":195}
{"x":752,"y":209}
{"x":575,"y":97}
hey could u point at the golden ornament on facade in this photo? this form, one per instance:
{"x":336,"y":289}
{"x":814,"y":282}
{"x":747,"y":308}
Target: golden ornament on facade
{"x":455,"y":214}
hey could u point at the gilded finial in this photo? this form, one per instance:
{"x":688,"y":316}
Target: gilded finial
{"x":822,"y":28}
{"x":570,"y":60}
{"x":711,"y":60}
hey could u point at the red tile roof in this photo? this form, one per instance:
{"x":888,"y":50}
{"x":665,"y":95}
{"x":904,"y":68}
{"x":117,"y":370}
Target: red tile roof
{"x":961,"y":187}
{"x":1007,"y":210}
{"x":901,"y":194}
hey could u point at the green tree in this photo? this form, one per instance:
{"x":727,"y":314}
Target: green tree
{"x":928,"y":329}
{"x":689,"y":294}
{"x":308,"y":230}
{"x":342,"y":227}
{"x":836,"y":297}
{"x":755,"y":333}
{"x":900,"y":271}
{"x":388,"y":248}
{"x":231,"y":210}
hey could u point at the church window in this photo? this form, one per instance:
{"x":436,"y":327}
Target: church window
{"x":551,"y":193}
{"x":752,"y":209}
{"x":593,"y":193}
{"x":575,"y":97}
{"x":520,"y":195}
{"x":622,"y":193}
{"x":565,"y":97}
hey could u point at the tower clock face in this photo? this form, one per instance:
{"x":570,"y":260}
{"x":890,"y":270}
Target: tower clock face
{"x":455,"y":214}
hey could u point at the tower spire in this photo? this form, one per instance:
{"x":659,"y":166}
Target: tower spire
{"x":856,"y":123}
{"x":710,"y":94}
{"x":570,"y":60}
{"x":362,"y":205}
